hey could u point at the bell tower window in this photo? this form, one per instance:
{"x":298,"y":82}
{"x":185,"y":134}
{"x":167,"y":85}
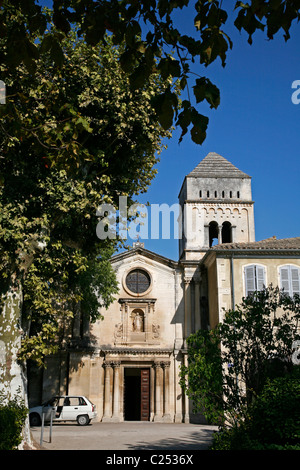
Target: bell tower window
{"x":226,"y":232}
{"x":213,"y":233}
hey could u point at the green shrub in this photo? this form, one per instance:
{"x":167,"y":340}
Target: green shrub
{"x":272,"y":423}
{"x":275,"y":416}
{"x":12,"y":419}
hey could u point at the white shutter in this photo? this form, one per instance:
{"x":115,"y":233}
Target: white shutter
{"x":284,"y":279}
{"x":295,"y":280}
{"x":260,"y":277}
{"x":249,"y":279}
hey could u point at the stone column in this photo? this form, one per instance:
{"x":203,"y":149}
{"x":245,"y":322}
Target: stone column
{"x":178,"y":391}
{"x":219,"y":234}
{"x":152,"y":394}
{"x":197,"y":304}
{"x":206,"y":236}
{"x":186,"y":418}
{"x":187,"y":307}
{"x":107,"y":392}
{"x":116,"y":395}
{"x":158,"y":389}
{"x":166,"y":369}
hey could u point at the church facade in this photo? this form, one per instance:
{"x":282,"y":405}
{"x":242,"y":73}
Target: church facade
{"x":128,"y":364}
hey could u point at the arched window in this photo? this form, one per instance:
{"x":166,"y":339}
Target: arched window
{"x":216,"y":194}
{"x":255,"y":278}
{"x":226,"y":232}
{"x":290,"y":279}
{"x":213,"y":233}
{"x":223,"y":193}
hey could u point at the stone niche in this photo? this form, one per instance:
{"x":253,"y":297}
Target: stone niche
{"x":137,"y":324}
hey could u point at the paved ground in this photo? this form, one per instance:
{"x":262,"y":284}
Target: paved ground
{"x":125,"y":436}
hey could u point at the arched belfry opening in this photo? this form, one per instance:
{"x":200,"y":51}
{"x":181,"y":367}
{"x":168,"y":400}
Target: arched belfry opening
{"x":226,"y":232}
{"x":213,"y":234}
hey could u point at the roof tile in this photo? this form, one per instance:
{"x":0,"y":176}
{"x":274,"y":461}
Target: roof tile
{"x":216,"y":166}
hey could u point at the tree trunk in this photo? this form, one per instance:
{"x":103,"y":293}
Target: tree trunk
{"x":13,"y":374}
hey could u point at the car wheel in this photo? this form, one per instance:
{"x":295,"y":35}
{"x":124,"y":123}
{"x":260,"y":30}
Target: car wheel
{"x":83,"y":420}
{"x":34,"y":419}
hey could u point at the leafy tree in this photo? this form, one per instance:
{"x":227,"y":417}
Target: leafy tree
{"x":228,"y":366}
{"x":272,"y":421}
{"x":153,"y":42}
{"x":202,"y":378}
{"x":13,"y":415}
{"x":71,"y":140}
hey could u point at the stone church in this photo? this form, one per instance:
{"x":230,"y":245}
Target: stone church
{"x":128,"y":364}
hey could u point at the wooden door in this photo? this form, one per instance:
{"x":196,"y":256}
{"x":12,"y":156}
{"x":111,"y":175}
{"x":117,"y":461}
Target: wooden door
{"x":145,"y":394}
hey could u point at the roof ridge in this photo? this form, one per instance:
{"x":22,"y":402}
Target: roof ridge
{"x":267,"y":243}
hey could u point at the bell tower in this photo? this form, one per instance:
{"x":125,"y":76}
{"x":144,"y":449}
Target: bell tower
{"x":216,"y":207}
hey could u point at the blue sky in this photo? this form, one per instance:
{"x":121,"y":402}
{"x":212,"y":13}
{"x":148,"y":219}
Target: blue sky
{"x":256,"y":127}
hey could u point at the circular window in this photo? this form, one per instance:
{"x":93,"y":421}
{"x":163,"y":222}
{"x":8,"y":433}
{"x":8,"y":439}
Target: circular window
{"x":138,"y":281}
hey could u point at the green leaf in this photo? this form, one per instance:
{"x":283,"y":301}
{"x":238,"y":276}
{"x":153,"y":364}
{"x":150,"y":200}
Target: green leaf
{"x":205,"y":90}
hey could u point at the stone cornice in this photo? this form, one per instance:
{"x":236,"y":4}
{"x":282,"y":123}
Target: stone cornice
{"x":147,"y":254}
{"x":136,"y":351}
{"x":221,"y":202}
{"x":138,"y":300}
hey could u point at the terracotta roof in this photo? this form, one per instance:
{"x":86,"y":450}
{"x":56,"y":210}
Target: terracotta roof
{"x":267,"y":244}
{"x":216,"y":166}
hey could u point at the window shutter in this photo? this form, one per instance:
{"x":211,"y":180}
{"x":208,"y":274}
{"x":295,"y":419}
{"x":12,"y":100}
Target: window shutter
{"x":284,"y":280}
{"x":249,"y":279}
{"x":260,"y":277}
{"x":295,"y":281}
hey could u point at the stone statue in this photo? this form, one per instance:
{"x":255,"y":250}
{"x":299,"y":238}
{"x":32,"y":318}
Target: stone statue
{"x":138,"y":322}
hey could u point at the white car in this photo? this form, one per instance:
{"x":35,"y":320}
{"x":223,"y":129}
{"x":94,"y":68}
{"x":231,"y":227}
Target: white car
{"x":64,"y":408}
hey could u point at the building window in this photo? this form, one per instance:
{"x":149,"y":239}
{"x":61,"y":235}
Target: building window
{"x":255,"y":278}
{"x":226,"y":232}
{"x":290,"y":279}
{"x":213,"y":233}
{"x":138,"y":281}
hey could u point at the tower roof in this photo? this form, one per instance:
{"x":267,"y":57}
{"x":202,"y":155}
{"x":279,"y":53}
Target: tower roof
{"x":216,"y":166}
